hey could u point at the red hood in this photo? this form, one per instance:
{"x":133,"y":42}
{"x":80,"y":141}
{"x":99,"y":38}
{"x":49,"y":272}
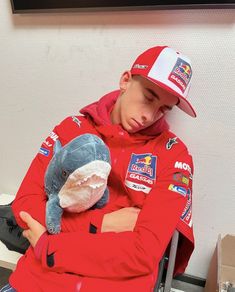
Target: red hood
{"x":100,"y":110}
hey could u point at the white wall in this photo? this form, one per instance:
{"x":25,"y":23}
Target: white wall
{"x":53,"y":64}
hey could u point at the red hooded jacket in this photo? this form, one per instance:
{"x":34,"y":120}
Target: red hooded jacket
{"x":152,"y":170}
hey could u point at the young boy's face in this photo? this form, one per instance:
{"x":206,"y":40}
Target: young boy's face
{"x":141,"y":103}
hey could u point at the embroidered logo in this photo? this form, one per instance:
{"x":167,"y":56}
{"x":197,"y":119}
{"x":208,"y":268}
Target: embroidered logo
{"x":47,"y":143}
{"x":181,"y":74}
{"x":186,"y":216}
{"x":141,"y":172}
{"x":139,"y":66}
{"x":53,"y":136}
{"x":171,"y":142}
{"x":77,"y":121}
{"x":183,"y":165}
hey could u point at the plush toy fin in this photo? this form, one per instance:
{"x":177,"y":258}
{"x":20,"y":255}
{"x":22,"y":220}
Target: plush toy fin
{"x":57,"y":146}
{"x":53,"y":214}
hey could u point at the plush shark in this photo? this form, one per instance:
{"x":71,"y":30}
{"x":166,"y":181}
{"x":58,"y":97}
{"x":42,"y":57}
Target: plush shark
{"x":76,"y":178}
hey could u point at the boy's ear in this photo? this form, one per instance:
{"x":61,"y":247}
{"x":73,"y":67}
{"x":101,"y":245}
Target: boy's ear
{"x":124,"y":80}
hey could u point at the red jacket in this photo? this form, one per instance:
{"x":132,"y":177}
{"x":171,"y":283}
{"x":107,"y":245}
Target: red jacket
{"x":149,"y":170}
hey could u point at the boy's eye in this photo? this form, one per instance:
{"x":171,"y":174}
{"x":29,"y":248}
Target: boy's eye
{"x":149,"y":98}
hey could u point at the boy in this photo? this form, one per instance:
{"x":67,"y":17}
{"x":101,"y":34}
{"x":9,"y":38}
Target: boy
{"x":117,"y":248}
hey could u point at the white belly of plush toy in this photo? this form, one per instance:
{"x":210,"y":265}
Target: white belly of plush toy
{"x":85,"y":186}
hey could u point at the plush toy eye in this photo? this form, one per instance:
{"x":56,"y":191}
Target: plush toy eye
{"x":64,"y":173}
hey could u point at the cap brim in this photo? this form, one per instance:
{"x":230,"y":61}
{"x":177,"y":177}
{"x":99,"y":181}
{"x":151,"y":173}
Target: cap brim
{"x":183,"y":104}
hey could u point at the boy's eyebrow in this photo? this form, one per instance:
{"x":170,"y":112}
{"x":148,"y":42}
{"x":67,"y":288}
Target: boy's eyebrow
{"x":157,"y":96}
{"x":152,"y":92}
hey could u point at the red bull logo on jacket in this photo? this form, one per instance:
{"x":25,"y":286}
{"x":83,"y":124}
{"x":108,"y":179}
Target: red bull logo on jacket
{"x":141,"y":172}
{"x":181,"y":74}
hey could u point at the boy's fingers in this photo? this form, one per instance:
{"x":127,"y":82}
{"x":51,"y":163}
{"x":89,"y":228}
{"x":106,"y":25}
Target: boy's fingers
{"x":25,"y":233}
{"x":26,"y":218}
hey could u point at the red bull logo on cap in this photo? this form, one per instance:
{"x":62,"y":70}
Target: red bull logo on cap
{"x":185,"y":69}
{"x":141,"y":172}
{"x":181,"y":74}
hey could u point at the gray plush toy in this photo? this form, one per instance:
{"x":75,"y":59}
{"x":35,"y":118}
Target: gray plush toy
{"x":76,"y":178}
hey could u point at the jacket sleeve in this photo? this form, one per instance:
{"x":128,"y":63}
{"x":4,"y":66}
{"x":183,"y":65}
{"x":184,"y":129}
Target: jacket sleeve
{"x":125,"y":254}
{"x":31,"y":196}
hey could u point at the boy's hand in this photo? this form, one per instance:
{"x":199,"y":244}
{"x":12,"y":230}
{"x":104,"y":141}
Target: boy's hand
{"x":120,"y":220}
{"x":35,"y":228}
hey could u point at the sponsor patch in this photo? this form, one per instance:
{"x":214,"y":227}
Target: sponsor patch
{"x":137,"y":187}
{"x":141,"y":172}
{"x":186,"y":216}
{"x":181,"y":74}
{"x":44,"y":151}
{"x":177,"y":189}
{"x":180,"y":177}
{"x":171,"y":142}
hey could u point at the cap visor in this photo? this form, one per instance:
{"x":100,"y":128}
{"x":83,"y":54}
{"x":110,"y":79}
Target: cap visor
{"x":183,"y":104}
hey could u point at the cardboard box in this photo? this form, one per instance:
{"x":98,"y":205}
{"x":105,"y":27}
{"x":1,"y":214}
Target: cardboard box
{"x":221,"y":274}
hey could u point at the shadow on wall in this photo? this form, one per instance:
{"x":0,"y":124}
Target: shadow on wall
{"x":152,"y":17}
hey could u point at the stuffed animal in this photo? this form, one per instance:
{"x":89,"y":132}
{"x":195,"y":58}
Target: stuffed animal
{"x":76,"y":178}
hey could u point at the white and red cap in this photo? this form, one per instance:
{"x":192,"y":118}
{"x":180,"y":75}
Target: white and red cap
{"x":168,"y":69}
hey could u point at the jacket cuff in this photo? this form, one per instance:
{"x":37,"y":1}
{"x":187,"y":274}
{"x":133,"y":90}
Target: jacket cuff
{"x":40,"y":245}
{"x":96,"y":222}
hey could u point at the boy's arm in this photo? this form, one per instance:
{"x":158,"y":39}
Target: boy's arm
{"x":125,"y":254}
{"x":31,"y":196}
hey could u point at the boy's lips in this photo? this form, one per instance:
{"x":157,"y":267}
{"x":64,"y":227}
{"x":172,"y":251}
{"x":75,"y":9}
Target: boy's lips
{"x":136,"y":124}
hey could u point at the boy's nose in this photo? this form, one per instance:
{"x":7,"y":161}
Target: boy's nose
{"x":151,"y":116}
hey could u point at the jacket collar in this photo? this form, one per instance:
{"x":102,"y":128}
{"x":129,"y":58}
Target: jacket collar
{"x":99,"y":113}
